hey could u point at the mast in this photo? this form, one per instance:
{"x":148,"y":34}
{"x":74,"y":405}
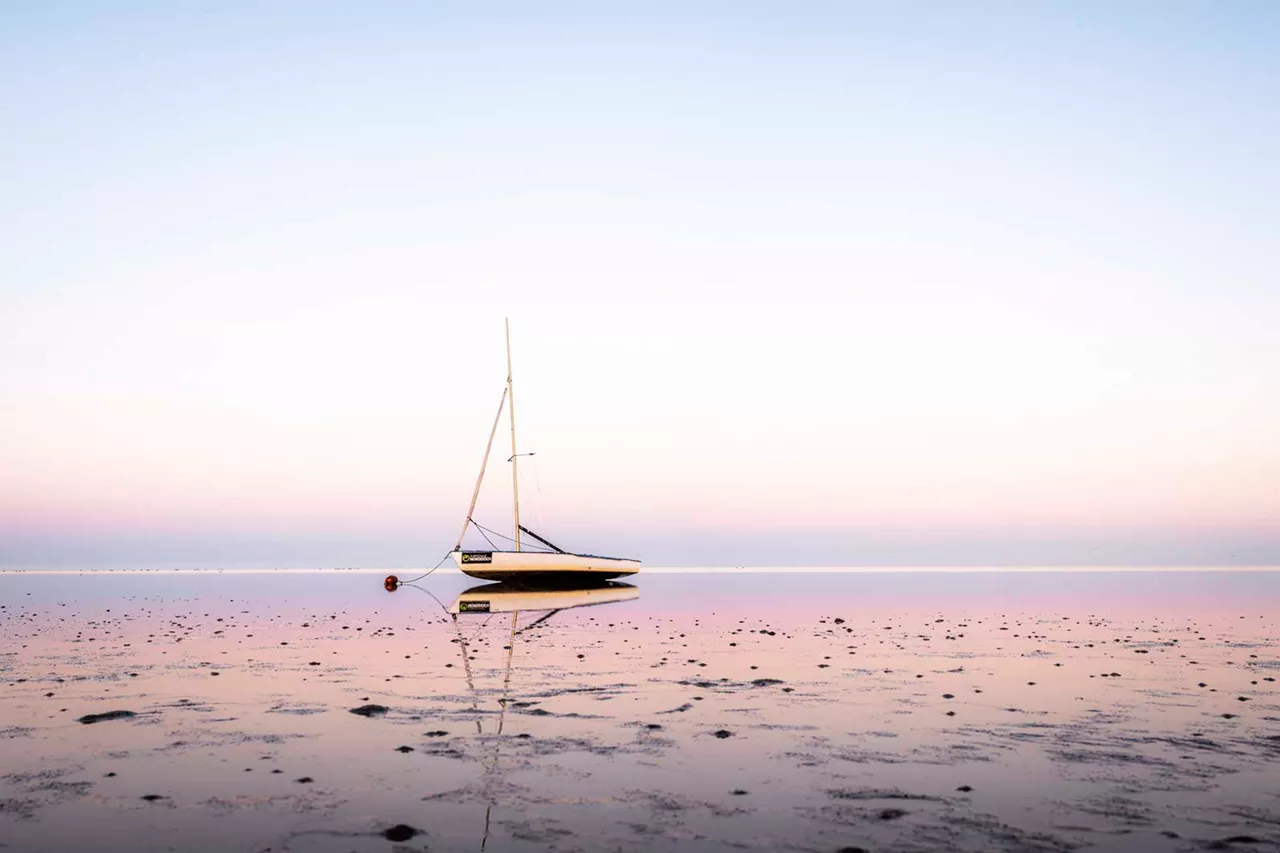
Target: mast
{"x":511,"y":407}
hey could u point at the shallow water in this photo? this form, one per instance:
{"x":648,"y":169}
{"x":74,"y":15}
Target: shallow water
{"x":885,"y":711}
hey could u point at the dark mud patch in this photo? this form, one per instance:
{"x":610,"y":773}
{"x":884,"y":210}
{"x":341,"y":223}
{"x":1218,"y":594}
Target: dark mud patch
{"x":189,"y":705}
{"x":1119,"y":810}
{"x":572,"y":715}
{"x":1230,"y":843}
{"x":444,"y":750}
{"x":652,"y":727}
{"x":64,"y":790}
{"x":915,"y":756}
{"x":668,"y":808}
{"x":298,"y":710}
{"x":90,"y":719}
{"x":724,"y":685}
{"x":370,"y":710}
{"x":1267,"y":744}
{"x":1255,"y":815}
{"x":560,"y":745}
{"x":228,"y":805}
{"x":1197,"y":744}
{"x":526,"y":830}
{"x":23,"y":809}
{"x":879,"y":794}
{"x":615,"y":689}
{"x":40,"y":789}
{"x":1109,"y":757}
{"x":845,"y":814}
{"x":985,"y":832}
{"x":482,"y":793}
{"x":38,"y":779}
{"x":189,"y":740}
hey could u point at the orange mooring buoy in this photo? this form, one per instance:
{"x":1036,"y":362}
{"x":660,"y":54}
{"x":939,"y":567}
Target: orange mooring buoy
{"x":391,"y":584}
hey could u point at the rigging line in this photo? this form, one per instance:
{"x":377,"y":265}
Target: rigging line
{"x":486,"y":537}
{"x":537,"y":479}
{"x":537,"y":505}
{"x":539,"y":621}
{"x":553,"y":546}
{"x":483,"y":530}
{"x":457,"y":627}
{"x":481,"y":628}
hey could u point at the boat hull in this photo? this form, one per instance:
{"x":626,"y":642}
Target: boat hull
{"x":513,"y":565}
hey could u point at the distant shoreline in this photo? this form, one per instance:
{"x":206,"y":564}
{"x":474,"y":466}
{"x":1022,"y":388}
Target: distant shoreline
{"x":677,"y":570}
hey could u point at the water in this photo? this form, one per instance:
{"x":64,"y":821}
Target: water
{"x":1044,"y":711}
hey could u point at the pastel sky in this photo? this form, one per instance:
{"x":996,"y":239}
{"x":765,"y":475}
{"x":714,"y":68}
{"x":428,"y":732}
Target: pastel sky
{"x":790,"y":283}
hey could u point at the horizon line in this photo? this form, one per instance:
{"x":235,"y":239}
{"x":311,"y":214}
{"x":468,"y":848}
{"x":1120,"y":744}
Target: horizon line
{"x":1074,"y":569}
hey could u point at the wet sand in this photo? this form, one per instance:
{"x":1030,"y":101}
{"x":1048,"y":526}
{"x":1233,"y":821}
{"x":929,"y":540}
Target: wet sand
{"x":906,"y":712}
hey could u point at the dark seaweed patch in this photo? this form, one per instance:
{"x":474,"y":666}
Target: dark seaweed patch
{"x":90,"y":719}
{"x":400,"y":832}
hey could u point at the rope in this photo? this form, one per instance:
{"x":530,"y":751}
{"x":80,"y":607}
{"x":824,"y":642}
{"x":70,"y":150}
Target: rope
{"x":433,"y":568}
{"x":443,"y":606}
{"x":483,"y":532}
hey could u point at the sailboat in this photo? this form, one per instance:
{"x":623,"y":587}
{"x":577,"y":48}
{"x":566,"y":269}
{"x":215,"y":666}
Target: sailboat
{"x":545,"y":562}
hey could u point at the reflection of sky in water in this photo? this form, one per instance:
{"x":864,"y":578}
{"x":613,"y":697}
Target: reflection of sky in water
{"x":1069,"y":703}
{"x":1182,"y":591}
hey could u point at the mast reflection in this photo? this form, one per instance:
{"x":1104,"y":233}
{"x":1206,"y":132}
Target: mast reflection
{"x":488,"y":599}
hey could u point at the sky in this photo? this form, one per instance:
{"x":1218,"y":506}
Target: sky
{"x":855,"y":283}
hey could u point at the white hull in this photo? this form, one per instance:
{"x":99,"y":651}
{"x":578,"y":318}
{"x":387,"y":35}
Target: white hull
{"x":508,"y":565}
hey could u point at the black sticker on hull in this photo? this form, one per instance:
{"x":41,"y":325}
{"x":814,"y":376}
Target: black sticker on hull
{"x":473,"y":607}
{"x":479,"y":557}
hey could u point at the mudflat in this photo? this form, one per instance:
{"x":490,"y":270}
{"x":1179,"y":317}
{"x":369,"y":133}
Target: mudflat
{"x":921,"y":711}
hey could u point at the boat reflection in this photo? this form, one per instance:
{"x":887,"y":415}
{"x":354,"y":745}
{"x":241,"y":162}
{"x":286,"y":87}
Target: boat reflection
{"x":511,"y":598}
{"x":488,"y":599}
